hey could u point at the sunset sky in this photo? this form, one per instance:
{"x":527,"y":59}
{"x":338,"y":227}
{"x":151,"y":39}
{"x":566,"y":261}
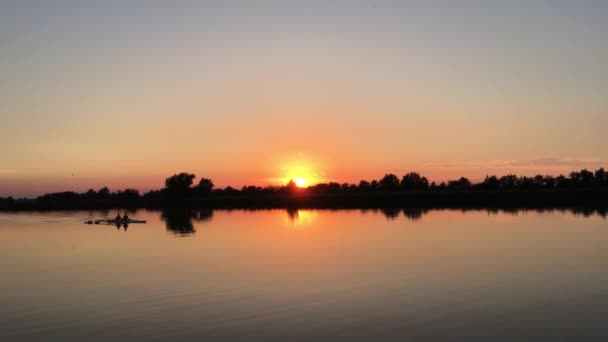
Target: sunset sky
{"x":257,"y":92}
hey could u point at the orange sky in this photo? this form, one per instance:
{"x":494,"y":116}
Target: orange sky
{"x":105,"y":95}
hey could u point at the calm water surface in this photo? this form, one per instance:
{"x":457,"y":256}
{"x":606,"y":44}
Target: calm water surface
{"x":305,"y":275}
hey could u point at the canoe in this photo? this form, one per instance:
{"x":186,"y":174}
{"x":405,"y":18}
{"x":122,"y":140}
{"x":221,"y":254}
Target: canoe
{"x":114,"y":221}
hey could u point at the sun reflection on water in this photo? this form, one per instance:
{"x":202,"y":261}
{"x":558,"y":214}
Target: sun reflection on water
{"x":299,"y":217}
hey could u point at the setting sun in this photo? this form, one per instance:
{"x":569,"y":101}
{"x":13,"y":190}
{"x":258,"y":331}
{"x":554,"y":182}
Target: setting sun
{"x":300,"y":182}
{"x":302,"y":173}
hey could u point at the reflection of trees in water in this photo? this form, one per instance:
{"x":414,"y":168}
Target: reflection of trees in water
{"x":416,"y":214}
{"x":585,"y":212}
{"x":293,"y":215}
{"x":204,"y":215}
{"x":180,"y":220}
{"x":413,"y":214}
{"x":390,"y":213}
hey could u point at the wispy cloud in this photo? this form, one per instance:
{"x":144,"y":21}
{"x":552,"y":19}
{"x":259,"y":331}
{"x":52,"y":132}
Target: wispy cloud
{"x":7,"y":171}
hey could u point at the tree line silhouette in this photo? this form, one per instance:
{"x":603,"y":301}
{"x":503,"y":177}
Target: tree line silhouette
{"x":180,"y":190}
{"x":180,"y":185}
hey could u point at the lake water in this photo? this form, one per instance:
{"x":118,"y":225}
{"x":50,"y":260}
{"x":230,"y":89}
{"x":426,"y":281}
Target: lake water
{"x":440,"y":275}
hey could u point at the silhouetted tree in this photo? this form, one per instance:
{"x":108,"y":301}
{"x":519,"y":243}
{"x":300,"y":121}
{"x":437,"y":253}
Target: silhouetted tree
{"x":538,"y":182}
{"x":460,"y":184}
{"x":291,"y":187}
{"x":509,"y":182}
{"x":251,"y":189}
{"x":601,"y":177}
{"x":59,"y":196}
{"x":583,"y":178}
{"x":104,"y":193}
{"x":205,"y":185}
{"x":345,"y":187}
{"x":333,"y":187}
{"x":229,"y":191}
{"x":153,"y":194}
{"x":318,"y":188}
{"x":413,"y":181}
{"x":364,"y":186}
{"x":548,"y":182}
{"x":90,"y":195}
{"x":179,"y":185}
{"x":127,"y":194}
{"x":271,"y":189}
{"x":525,"y":183}
{"x":586,"y":177}
{"x":561,"y":182}
{"x":490,"y":183}
{"x":442,"y":186}
{"x":389,"y":182}
{"x":373,"y":185}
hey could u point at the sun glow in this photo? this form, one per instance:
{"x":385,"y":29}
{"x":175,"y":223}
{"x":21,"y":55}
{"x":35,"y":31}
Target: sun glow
{"x":300,"y":182}
{"x":301,"y":176}
{"x":303,"y":171}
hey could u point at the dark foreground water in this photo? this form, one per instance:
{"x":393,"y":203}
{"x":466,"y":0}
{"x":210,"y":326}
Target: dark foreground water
{"x":305,"y":275}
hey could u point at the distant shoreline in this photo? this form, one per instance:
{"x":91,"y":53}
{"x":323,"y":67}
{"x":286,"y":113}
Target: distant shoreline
{"x":587,"y":198}
{"x":579,"y":189}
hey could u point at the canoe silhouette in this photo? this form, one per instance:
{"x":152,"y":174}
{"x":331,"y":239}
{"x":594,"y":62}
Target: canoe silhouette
{"x":114,"y":221}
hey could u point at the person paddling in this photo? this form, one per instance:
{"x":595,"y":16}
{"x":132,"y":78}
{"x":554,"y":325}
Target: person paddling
{"x":118,"y":218}
{"x":125,"y":217}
